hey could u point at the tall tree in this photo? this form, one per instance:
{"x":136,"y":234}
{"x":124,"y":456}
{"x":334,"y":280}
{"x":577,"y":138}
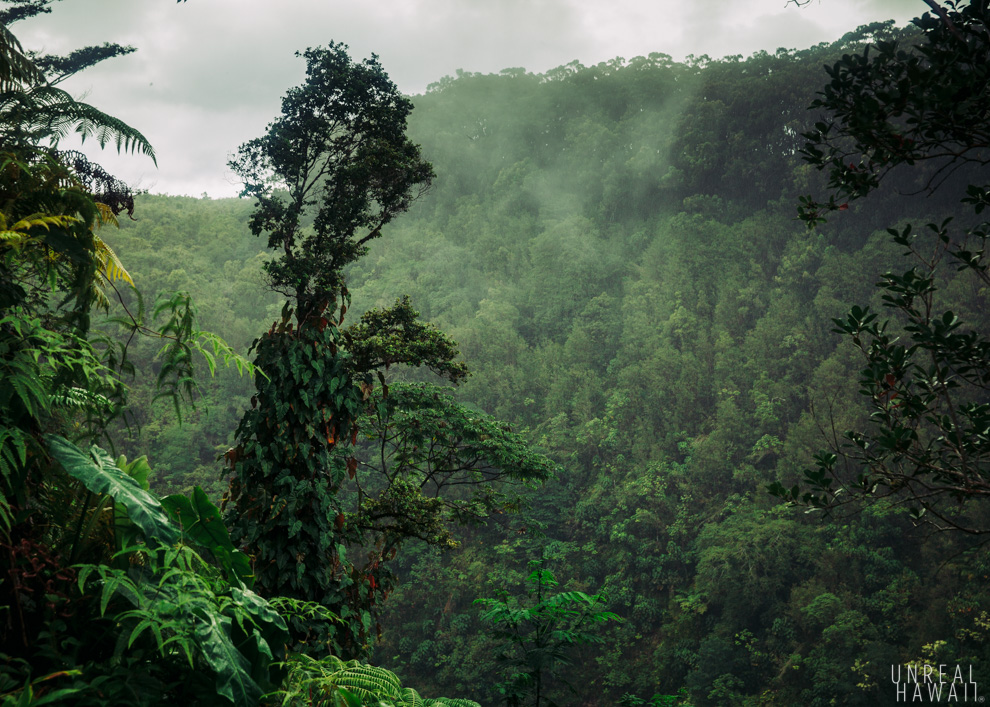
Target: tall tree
{"x":328,"y":175}
{"x":333,"y":169}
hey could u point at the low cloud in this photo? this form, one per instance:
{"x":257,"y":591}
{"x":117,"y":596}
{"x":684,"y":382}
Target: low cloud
{"x":209,"y":74}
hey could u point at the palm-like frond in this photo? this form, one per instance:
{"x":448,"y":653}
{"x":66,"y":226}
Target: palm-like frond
{"x":32,"y":110}
{"x":106,"y":215}
{"x":46,"y":112}
{"x":16,"y":68}
{"x":45,"y":221}
{"x":367,"y":681}
{"x":408,"y":697}
{"x":110,"y":266}
{"x":110,"y":270}
{"x":309,"y":678}
{"x":18,"y":235}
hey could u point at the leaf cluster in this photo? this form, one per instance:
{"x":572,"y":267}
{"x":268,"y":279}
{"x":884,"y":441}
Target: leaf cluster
{"x":928,"y":375}
{"x":893,"y":105}
{"x":332,"y":681}
{"x":281,"y":501}
{"x":329,"y":173}
{"x":538,"y":638}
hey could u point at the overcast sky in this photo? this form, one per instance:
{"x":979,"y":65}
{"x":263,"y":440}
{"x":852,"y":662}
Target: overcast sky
{"x":209,"y":74}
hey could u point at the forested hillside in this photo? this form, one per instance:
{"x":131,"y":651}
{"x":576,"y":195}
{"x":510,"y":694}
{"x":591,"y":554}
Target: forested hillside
{"x":616,"y":251}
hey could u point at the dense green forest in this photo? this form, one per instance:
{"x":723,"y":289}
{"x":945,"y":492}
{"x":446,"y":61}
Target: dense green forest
{"x":656,"y":339}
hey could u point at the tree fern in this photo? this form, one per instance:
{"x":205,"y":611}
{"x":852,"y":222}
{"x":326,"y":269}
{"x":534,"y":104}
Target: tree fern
{"x":33,"y":110}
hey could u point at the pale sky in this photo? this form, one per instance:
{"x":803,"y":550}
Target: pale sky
{"x":209,"y":74}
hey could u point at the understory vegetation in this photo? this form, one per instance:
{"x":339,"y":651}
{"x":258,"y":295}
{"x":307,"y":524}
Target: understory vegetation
{"x":665,"y":440}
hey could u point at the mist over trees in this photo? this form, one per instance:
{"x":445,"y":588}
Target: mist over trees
{"x":634,"y":337}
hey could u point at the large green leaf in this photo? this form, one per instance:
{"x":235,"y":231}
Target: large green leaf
{"x":139,"y":470}
{"x":258,"y":607}
{"x":232,"y":668}
{"x":99,"y":473}
{"x":202,"y":524}
{"x":345,"y":698}
{"x":266,"y":633}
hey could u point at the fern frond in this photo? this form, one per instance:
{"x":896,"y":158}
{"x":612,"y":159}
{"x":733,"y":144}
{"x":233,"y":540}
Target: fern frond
{"x":51,"y":112}
{"x":6,"y":516}
{"x":408,"y":697}
{"x":13,"y":449}
{"x":14,"y":239}
{"x":45,"y":221}
{"x":104,"y":128}
{"x":105,"y":215}
{"x":24,"y":387}
{"x":110,"y":265}
{"x":18,"y":235}
{"x":310,"y":679}
{"x":367,"y":681}
{"x":299,"y":609}
{"x":80,"y":399}
{"x":100,"y":299}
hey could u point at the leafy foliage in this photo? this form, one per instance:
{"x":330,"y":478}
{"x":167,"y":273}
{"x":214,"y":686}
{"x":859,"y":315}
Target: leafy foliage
{"x":339,"y":150}
{"x":232,"y":631}
{"x":100,"y":475}
{"x":339,"y":146}
{"x":203,"y":526}
{"x":613,"y":248}
{"x":395,"y":336}
{"x":282,"y":498}
{"x":539,"y":637}
{"x":927,"y":387}
{"x":429,"y":462}
{"x":894,"y":106}
{"x":162,"y":596}
{"x":60,"y":504}
{"x":16,"y":68}
{"x":351,"y":683}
